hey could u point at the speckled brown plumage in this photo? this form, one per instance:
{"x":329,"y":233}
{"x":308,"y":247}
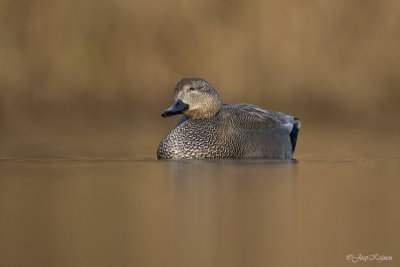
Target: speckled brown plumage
{"x":232,"y":131}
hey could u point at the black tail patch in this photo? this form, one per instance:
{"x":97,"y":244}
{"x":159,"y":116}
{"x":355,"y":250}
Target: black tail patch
{"x":293,"y":136}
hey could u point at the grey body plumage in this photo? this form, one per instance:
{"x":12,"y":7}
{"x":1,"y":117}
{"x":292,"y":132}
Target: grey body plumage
{"x":209,"y":129}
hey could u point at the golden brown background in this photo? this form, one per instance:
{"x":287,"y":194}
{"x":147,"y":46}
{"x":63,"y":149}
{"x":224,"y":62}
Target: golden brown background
{"x":77,"y":70}
{"x":82,"y":87}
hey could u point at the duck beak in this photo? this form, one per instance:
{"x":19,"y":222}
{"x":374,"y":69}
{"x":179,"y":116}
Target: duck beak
{"x":177,"y":108}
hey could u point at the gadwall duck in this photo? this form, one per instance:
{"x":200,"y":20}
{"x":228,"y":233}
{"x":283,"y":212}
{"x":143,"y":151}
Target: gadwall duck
{"x":210,"y":129}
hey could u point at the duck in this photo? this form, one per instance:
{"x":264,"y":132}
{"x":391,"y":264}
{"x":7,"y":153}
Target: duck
{"x":210,"y":129}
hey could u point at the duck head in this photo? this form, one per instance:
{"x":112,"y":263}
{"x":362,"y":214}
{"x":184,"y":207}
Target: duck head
{"x":195,"y":98}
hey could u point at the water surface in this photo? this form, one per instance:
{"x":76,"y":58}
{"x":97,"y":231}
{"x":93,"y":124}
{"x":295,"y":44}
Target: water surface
{"x":132,"y":210}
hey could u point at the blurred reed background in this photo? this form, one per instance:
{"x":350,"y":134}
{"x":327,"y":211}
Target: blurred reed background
{"x":92,"y":68}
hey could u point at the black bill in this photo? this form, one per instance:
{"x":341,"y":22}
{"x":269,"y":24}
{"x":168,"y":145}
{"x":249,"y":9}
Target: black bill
{"x":177,"y":108}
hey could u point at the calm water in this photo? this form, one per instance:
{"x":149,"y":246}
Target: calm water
{"x":336,"y":199}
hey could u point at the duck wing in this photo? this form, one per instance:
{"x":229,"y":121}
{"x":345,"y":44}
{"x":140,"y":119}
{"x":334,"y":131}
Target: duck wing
{"x":250,"y":117}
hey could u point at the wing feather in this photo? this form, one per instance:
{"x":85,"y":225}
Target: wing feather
{"x":250,"y":117}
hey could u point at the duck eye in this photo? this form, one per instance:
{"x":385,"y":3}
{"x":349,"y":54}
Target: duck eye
{"x":192,"y":89}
